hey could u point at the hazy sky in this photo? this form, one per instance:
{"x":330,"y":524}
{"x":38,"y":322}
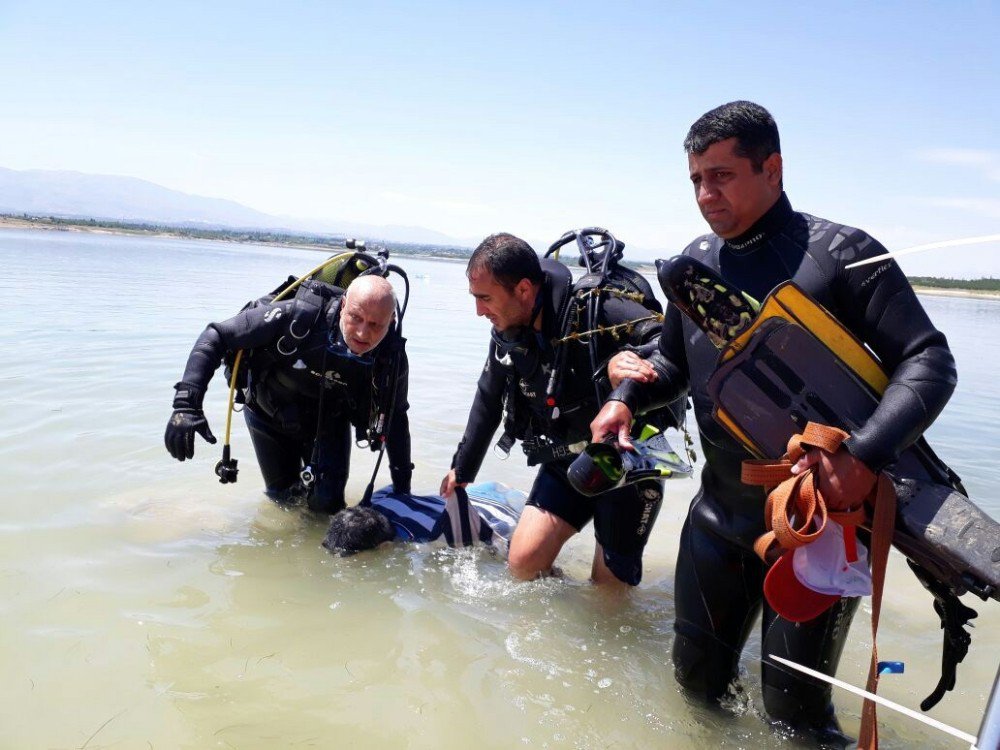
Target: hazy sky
{"x":533,"y":118}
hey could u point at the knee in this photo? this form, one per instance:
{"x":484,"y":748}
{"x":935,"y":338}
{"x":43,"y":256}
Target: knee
{"x":287,"y":497}
{"x":526,"y":562}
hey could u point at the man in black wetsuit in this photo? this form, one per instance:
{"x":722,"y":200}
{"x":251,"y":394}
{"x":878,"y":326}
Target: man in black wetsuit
{"x":523,"y":299}
{"x":307,"y":388}
{"x":758,"y":241}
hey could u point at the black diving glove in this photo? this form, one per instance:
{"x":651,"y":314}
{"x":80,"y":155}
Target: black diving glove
{"x":402,"y":476}
{"x":187,"y":419}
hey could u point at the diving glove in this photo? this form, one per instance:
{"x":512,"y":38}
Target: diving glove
{"x":603,"y":466}
{"x":187,"y":419}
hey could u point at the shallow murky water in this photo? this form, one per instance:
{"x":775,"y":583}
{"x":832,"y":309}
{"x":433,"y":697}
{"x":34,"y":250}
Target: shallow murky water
{"x":145,"y":605}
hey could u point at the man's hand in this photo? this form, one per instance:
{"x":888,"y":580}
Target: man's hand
{"x":187,"y":419}
{"x":448,"y":484}
{"x":614,"y":418}
{"x":629,"y":365}
{"x":844,"y":481}
{"x":181,"y":428}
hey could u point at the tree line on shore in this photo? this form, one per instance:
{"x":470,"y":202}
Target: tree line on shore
{"x":337,"y":242}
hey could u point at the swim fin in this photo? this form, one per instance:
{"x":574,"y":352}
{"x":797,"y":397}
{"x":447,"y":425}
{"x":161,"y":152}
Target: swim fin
{"x":717,"y":307}
{"x":602,"y":467}
{"x":794,"y":363}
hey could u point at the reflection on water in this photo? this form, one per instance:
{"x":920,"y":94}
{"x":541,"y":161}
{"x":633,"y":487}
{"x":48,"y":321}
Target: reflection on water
{"x":145,"y":605}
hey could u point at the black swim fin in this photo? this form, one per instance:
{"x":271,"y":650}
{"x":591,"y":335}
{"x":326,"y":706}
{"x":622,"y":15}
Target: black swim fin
{"x":717,"y":307}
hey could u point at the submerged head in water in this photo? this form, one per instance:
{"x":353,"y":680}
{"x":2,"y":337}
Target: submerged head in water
{"x":357,"y":529}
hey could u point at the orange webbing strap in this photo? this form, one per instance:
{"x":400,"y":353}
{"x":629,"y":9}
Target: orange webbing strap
{"x":882,"y":526}
{"x":795,"y":498}
{"x":796,"y":513}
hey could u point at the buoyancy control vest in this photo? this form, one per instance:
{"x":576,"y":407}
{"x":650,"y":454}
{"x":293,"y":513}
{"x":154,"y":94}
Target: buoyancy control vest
{"x":578,"y":318}
{"x":322,"y":289}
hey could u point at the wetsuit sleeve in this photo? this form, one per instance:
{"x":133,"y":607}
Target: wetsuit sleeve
{"x":639,"y":334}
{"x":670,"y":363}
{"x":645,"y":328}
{"x":484,"y":418}
{"x":646,"y":350}
{"x":398,"y":439}
{"x":883,"y":310}
{"x":253,"y":327}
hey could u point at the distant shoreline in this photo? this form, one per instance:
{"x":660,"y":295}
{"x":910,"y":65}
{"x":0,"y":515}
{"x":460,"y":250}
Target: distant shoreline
{"x":270,"y":238}
{"x":273,"y":239}
{"x":968,"y":293}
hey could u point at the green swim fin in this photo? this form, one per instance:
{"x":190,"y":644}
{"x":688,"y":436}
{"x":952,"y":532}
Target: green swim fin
{"x":603,"y":466}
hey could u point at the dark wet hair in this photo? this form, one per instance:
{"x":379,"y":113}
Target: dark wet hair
{"x":750,"y":124}
{"x":508,"y":259}
{"x":357,"y":529}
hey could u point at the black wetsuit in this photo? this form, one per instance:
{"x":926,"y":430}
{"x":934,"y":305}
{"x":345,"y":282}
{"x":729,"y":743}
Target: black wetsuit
{"x":719,"y":578}
{"x":285,"y":388}
{"x":623,"y":518}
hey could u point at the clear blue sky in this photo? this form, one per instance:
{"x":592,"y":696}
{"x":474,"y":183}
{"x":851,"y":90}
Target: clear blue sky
{"x":528,"y":117}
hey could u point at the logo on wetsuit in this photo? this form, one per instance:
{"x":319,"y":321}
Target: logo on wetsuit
{"x":878,"y":272}
{"x":652,"y":496}
{"x":526,"y":389}
{"x":332,"y":377}
{"x":744,"y":245}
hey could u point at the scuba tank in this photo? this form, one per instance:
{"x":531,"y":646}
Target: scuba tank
{"x":578,"y":319}
{"x":600,"y":253}
{"x":337,"y":271}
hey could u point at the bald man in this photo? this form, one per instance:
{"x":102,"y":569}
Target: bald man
{"x":319,"y":364}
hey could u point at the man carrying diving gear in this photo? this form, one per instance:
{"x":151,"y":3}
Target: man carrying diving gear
{"x":311,"y":377}
{"x":759,"y":241}
{"x":526,"y":301}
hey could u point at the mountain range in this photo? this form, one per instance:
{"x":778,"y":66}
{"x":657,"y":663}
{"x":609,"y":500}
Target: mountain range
{"x":64,"y":194}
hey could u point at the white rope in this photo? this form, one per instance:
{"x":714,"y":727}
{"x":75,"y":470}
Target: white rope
{"x":929,"y":246}
{"x":880,"y":700}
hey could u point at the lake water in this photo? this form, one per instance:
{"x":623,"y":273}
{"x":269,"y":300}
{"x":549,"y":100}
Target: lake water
{"x":144,"y":605}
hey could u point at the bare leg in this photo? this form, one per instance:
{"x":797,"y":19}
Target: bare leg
{"x":536,"y":542}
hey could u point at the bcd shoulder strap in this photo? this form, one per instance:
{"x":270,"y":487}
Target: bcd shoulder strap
{"x":309,"y":303}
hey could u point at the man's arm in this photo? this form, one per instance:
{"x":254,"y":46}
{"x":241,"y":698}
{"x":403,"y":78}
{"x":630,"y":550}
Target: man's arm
{"x":252,"y":327}
{"x":633,"y":396}
{"x":484,"y":418}
{"x":885,"y":313}
{"x":638,"y":331}
{"x":880,"y":307}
